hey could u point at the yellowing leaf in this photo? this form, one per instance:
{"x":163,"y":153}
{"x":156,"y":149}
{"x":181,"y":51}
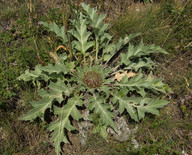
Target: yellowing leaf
{"x":119,"y":76}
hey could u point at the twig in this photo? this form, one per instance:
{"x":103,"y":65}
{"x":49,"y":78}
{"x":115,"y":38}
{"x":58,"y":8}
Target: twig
{"x":38,"y":56}
{"x":61,"y":46}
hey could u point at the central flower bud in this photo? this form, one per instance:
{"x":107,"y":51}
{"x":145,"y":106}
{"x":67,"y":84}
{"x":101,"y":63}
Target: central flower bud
{"x":92,"y":79}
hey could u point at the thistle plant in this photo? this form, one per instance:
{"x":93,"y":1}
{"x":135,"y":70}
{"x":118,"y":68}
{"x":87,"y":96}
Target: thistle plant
{"x":98,"y":75}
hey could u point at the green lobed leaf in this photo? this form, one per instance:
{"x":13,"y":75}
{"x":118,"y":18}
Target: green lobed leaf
{"x":139,"y":51}
{"x":57,"y":68}
{"x":97,"y":103}
{"x":126,"y":103}
{"x":110,"y":50}
{"x":140,"y":63}
{"x":150,"y":106}
{"x":44,"y":72}
{"x":140,"y":83}
{"x":61,"y":87}
{"x":60,"y":32}
{"x":138,"y":106}
{"x":33,"y":75}
{"x":63,"y":122}
{"x":102,"y":38}
{"x":95,"y":20}
{"x":81,"y":34}
{"x":48,"y":97}
{"x":38,"y":110}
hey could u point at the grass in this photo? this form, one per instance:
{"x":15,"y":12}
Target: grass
{"x":167,"y":134}
{"x":24,"y":44}
{"x":17,"y":137}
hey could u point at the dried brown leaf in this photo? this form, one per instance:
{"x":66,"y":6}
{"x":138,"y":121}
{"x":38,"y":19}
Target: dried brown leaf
{"x":119,"y":76}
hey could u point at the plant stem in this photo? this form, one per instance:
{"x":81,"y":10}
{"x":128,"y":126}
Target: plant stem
{"x":65,"y":18}
{"x":97,"y":49}
{"x":84,"y":60}
{"x":110,"y":85}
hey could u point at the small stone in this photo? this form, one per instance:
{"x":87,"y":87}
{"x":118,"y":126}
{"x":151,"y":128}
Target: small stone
{"x":123,"y":133}
{"x":84,"y":127}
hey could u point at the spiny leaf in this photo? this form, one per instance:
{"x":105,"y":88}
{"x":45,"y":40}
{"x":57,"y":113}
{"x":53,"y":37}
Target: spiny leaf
{"x":60,"y":32}
{"x":61,"y":87}
{"x":150,"y":106}
{"x":142,"y":105}
{"x":58,"y":95}
{"x":158,"y":84}
{"x":82,"y":35}
{"x":63,"y":122}
{"x":140,"y":82}
{"x":104,"y":40}
{"x":33,"y":75}
{"x":126,"y":103}
{"x":38,"y":110}
{"x":138,"y":51}
{"x":43,"y":72}
{"x":57,"y":68}
{"x":141,"y":63}
{"x":99,"y":28}
{"x":56,"y":92}
{"x":95,"y":19}
{"x":110,"y":50}
{"x":98,"y":105}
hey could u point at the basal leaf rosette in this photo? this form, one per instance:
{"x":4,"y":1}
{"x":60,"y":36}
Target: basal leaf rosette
{"x":86,"y":79}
